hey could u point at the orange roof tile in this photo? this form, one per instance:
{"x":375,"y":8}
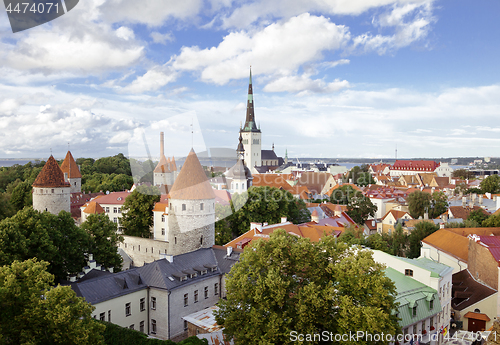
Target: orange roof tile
{"x":463,"y":212}
{"x":396,"y":214}
{"x":475,"y":231}
{"x":160,"y":207}
{"x":51,"y":175}
{"x":173,"y":166}
{"x":192,"y":182}
{"x":93,"y":208}
{"x":69,"y":166}
{"x":163,"y":166}
{"x":449,"y":242}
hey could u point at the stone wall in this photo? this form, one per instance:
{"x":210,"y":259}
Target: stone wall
{"x":76,"y":185}
{"x":143,"y":250}
{"x":53,"y":200}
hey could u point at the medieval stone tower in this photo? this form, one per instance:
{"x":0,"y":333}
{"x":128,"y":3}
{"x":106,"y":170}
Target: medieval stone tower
{"x":50,"y":191}
{"x":191,"y":210}
{"x":165,"y":172}
{"x":72,"y":173}
{"x":251,"y":134}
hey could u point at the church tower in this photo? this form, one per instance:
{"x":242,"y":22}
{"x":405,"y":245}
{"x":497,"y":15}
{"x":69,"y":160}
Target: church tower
{"x":251,"y":134}
{"x":50,"y":190}
{"x":239,"y":178}
{"x":71,"y":173}
{"x":191,"y":209}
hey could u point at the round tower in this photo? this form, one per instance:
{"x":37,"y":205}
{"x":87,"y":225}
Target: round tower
{"x":72,"y":173}
{"x":50,"y":191}
{"x":191,"y":212}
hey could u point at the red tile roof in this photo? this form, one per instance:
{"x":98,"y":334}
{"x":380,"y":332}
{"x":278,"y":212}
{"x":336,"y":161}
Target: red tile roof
{"x":449,"y":242}
{"x":51,"y":176}
{"x":192,"y":182}
{"x":93,"y":208}
{"x":113,"y":198}
{"x":411,"y":165}
{"x":69,"y":166}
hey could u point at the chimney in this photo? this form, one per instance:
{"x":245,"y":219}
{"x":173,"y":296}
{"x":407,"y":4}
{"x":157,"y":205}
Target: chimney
{"x":111,"y":269}
{"x":426,"y":215}
{"x":283,"y":219}
{"x":72,"y":278}
{"x":464,"y":201}
{"x":170,"y":258}
{"x":473,"y":197}
{"x":480,"y":201}
{"x":229,"y":251}
{"x":162,"y":145}
{"x":256,"y":227}
{"x":445,"y":217}
{"x":373,"y":222}
{"x":441,"y":225}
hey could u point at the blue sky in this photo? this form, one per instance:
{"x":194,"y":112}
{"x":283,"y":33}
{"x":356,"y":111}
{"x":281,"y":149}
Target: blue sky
{"x":345,"y":78}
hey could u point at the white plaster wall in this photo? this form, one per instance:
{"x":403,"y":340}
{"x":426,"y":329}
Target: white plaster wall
{"x":437,"y":255}
{"x":158,"y":224}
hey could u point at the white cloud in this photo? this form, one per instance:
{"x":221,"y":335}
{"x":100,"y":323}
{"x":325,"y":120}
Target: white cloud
{"x":161,"y":38}
{"x":281,"y":47}
{"x":125,"y":33}
{"x":9,"y":106}
{"x":304,"y":83}
{"x":152,"y":80}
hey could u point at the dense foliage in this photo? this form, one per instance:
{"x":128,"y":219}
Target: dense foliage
{"x":421,"y":202}
{"x":34,"y":313}
{"x":258,"y":204}
{"x":360,"y":176}
{"x":53,"y":238}
{"x":116,"y":335}
{"x":359,"y":207}
{"x":137,"y":219}
{"x":290,"y":284}
{"x":491,"y":184}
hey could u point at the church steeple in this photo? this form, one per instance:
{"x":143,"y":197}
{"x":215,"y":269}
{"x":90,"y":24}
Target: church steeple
{"x":240,"y":150}
{"x":250,"y":125}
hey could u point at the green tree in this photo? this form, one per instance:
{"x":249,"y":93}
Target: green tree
{"x":418,"y":203}
{"x":478,"y":216}
{"x":289,"y":284}
{"x":491,"y":221}
{"x":6,"y":208}
{"x":360,"y":176}
{"x":421,"y":231}
{"x":103,"y":240}
{"x":137,"y":218}
{"x":352,"y":235}
{"x":223,"y":233}
{"x":378,"y":242}
{"x":463,"y":174}
{"x":266,"y":204}
{"x":22,"y":195}
{"x":53,"y":238}
{"x":360,"y":208}
{"x":59,"y":317}
{"x":399,"y":241}
{"x":491,"y":184}
{"x":439,"y":204}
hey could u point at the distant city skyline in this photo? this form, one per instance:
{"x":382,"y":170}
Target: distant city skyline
{"x":331,"y":79}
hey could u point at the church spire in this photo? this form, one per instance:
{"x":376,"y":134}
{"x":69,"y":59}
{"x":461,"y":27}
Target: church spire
{"x":240,"y":150}
{"x":250,"y":125}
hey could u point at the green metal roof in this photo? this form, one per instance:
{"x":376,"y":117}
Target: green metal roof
{"x":437,"y":270}
{"x":411,"y":293}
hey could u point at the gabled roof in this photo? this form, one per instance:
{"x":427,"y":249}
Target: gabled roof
{"x":93,"y":208}
{"x":450,"y":243}
{"x":69,"y":167}
{"x":315,"y":181}
{"x":466,"y":291}
{"x":463,"y":212}
{"x":396,"y":214}
{"x":192,"y":182}
{"x":51,"y":176}
{"x":113,"y":198}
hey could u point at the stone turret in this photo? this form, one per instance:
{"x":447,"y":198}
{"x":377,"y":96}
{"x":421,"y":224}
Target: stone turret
{"x":191,"y":214}
{"x":50,"y":190}
{"x":72,"y":173}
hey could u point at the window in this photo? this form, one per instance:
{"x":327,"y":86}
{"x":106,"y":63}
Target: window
{"x":415,"y":329}
{"x":184,"y":207}
{"x":139,"y":247}
{"x":201,"y":207}
{"x":186,"y":299}
{"x":143,"y":304}
{"x":195,"y":296}
{"x":131,"y":326}
{"x":107,"y":209}
{"x":115,"y":220}
{"x":153,"y":303}
{"x":175,"y":240}
{"x":185,"y":325}
{"x":52,"y":191}
{"x":102,"y":316}
{"x":409,"y":273}
{"x":163,"y":218}
{"x":431,"y":304}
{"x":115,"y":210}
{"x":153,"y":326}
{"x":127,"y":309}
{"x":163,"y":231}
{"x":414,"y":311}
{"x":141,"y":326}
{"x":216,"y":288}
{"x":119,"y":210}
{"x":206,"y":291}
{"x":109,"y":315}
{"x":201,"y":240}
{"x":431,"y":322}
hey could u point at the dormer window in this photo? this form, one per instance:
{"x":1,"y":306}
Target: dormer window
{"x":431,"y":304}
{"x":414,"y":311}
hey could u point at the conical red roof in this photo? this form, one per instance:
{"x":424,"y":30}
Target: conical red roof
{"x":192,"y":182}
{"x":69,"y":166}
{"x":51,"y":175}
{"x":162,"y":166}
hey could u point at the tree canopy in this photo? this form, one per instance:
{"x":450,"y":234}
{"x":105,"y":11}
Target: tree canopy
{"x":491,"y":184}
{"x":463,"y":174}
{"x":289,"y":284}
{"x":103,"y":240}
{"x":360,"y":176}
{"x":259,"y":204}
{"x":359,"y":207}
{"x":35,"y":313}
{"x":137,"y":218}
